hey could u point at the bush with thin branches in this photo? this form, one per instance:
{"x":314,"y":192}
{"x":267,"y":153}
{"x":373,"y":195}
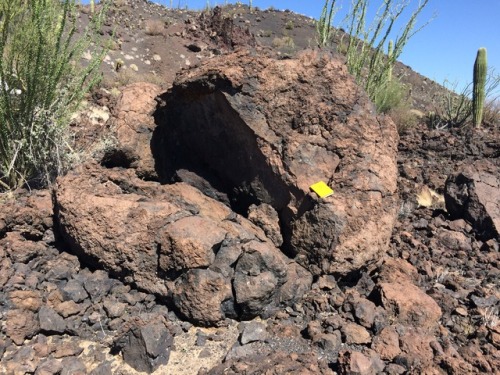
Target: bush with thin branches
{"x":364,"y":42}
{"x":324,"y":25}
{"x":41,"y":84}
{"x":453,"y":107}
{"x":365,"y":45}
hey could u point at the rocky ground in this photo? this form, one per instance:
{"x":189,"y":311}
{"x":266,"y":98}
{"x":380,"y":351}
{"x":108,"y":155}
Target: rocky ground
{"x":164,"y":255}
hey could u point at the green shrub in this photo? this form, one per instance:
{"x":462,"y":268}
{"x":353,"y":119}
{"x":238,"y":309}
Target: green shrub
{"x":363,"y":44}
{"x":285,"y":42}
{"x":366,"y":60}
{"x":389,"y":95}
{"x":454,"y":108}
{"x":42,"y":83}
{"x":392,"y":98}
{"x":405,"y":118}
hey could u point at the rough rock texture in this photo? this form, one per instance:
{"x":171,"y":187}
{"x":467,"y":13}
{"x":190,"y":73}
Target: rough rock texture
{"x":355,"y":363}
{"x":132,"y":127}
{"x":263,"y":130}
{"x":402,"y":299}
{"x":174,"y":241}
{"x":474,"y":195}
{"x":29,"y":215}
{"x":409,"y":305}
{"x":221,"y":30}
{"x":275,"y":363}
{"x":145,"y":345}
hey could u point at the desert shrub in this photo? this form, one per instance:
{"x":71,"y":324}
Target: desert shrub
{"x":154,"y":27}
{"x":392,"y":98}
{"x":42,"y":84}
{"x":324,"y":26}
{"x":492,"y":112}
{"x":363,"y":45}
{"x":118,"y":3}
{"x":284,"y":42}
{"x":125,"y":77}
{"x":366,"y":60}
{"x":389,"y":95}
{"x":453,"y":107}
{"x":404,"y":118}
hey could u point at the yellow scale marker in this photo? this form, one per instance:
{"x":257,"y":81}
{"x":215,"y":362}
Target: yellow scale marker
{"x":322,"y":189}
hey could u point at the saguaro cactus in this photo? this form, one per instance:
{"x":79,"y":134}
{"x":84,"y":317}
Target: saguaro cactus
{"x":92,"y":6}
{"x":479,"y":87}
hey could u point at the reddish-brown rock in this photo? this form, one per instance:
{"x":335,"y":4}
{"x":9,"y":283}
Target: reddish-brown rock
{"x":199,"y":295}
{"x":355,"y":363}
{"x":20,"y":325}
{"x":27,"y":213}
{"x":175,"y":241}
{"x":26,"y":299}
{"x":263,"y":130}
{"x":132,"y":127}
{"x":19,"y":248}
{"x":355,"y":334}
{"x":416,"y":351}
{"x":386,"y":343}
{"x":409,"y":304}
{"x":397,"y":270}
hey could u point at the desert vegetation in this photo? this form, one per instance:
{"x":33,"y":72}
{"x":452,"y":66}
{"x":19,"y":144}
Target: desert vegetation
{"x":454,"y":107}
{"x":365,"y":41}
{"x":363,"y":44}
{"x":43,"y":83}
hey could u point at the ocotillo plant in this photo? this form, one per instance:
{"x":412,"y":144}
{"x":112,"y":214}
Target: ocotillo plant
{"x":479,"y":87}
{"x":390,"y":58}
{"x":324,"y":25}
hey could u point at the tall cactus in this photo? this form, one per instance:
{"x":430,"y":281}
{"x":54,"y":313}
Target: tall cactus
{"x":92,"y":6}
{"x":479,"y":87}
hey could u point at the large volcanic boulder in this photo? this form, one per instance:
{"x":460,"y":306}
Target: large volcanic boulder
{"x":261,"y":131}
{"x":174,"y":241}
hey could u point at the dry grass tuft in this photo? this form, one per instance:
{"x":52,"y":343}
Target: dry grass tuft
{"x":155,"y":27}
{"x":492,"y":113}
{"x":284,"y":42}
{"x":404,"y":118}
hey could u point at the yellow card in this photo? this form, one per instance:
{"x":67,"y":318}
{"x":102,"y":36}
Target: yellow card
{"x":322,"y":189}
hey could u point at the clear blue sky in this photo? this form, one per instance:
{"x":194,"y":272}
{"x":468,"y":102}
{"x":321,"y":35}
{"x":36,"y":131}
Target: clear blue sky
{"x":444,"y":50}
